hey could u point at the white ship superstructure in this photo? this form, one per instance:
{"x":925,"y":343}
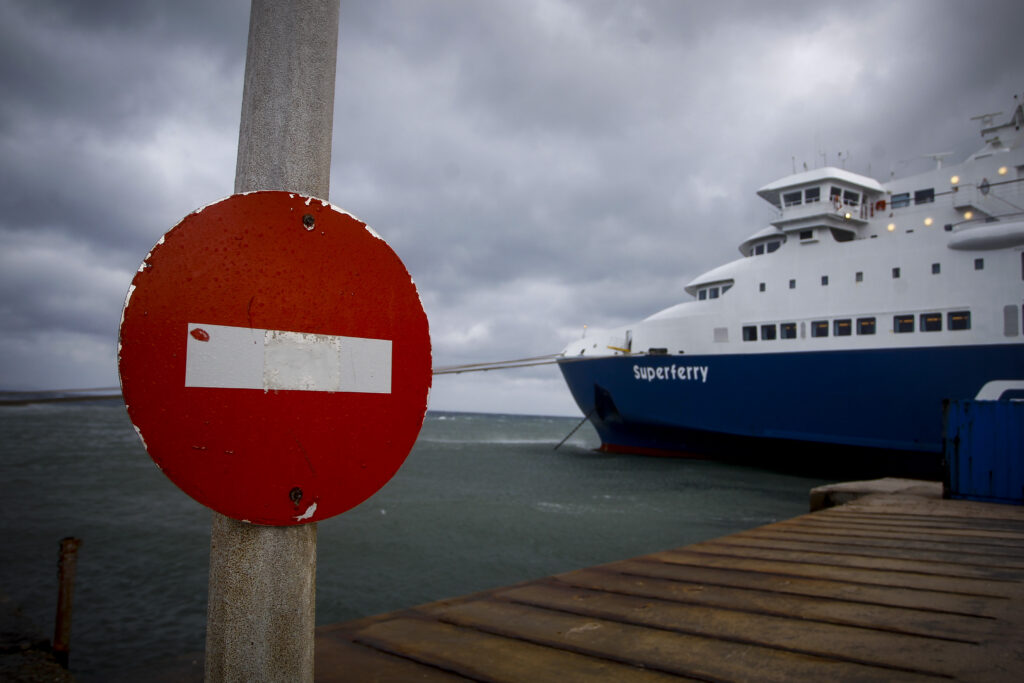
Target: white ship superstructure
{"x":868,"y":273}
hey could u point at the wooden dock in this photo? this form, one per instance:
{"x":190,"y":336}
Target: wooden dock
{"x":888,"y":587}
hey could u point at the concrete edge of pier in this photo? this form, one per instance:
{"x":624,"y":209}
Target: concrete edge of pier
{"x":832,"y":495}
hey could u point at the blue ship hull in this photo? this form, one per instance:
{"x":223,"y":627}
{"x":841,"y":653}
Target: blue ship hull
{"x":702,"y":405}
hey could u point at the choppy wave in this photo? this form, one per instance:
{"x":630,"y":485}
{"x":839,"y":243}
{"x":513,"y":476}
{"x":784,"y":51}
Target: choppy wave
{"x":482,"y":501}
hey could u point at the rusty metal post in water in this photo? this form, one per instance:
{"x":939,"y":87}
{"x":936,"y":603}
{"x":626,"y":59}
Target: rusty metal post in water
{"x":65,"y":594}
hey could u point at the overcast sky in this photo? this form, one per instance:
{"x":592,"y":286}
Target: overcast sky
{"x":537,"y":164}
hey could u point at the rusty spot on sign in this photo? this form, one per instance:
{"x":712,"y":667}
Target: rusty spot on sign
{"x":200,"y":334}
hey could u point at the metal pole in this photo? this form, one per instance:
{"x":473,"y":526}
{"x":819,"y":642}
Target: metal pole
{"x":65,"y":596}
{"x":261,"y":609}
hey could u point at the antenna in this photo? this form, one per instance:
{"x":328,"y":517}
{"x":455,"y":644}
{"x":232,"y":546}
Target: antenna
{"x":987,"y":119}
{"x":938,"y":156}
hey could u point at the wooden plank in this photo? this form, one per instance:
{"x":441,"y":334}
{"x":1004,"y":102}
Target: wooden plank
{"x":894,"y":547}
{"x":933,"y":519}
{"x":814,"y":586}
{"x":982,"y":535}
{"x":672,"y":652}
{"x":969,"y":573}
{"x":837,"y":548}
{"x":880,"y":577}
{"x":484,"y":656}
{"x":827,"y":610}
{"x":868,"y":533}
{"x":805,"y":525}
{"x":338,"y":661}
{"x":854,"y":645}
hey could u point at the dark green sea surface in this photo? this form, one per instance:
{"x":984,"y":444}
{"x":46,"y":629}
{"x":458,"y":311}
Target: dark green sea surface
{"x":482,"y":501}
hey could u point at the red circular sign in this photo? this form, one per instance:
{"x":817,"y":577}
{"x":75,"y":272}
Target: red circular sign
{"x":275,"y":358}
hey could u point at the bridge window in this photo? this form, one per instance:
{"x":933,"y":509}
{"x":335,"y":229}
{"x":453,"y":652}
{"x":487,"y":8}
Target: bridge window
{"x":792,"y":198}
{"x":842,"y":328}
{"x":903,"y":323}
{"x":901,"y":201}
{"x":936,"y":268}
{"x":768,"y":332}
{"x":924,"y":196}
{"x":851,"y":198}
{"x":979,"y":264}
{"x":788,"y":330}
{"x":773,"y":246}
{"x":749,"y":333}
{"x":812,"y":194}
{"x":819,"y":328}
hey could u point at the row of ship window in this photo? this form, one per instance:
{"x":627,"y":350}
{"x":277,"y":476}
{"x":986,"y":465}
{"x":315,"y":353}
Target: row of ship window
{"x":850,"y":198}
{"x":713,"y":292}
{"x":813,"y":194}
{"x":844,"y":327}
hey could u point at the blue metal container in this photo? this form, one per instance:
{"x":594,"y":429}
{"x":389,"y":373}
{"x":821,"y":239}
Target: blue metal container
{"x":984,"y":450}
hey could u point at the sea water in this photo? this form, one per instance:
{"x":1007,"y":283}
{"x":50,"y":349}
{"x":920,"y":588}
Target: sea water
{"x":482,"y":501}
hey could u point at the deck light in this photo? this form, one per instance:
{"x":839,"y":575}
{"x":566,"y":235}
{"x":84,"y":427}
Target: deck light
{"x":1002,"y":170}
{"x":955,"y":180}
{"x":968,"y":215}
{"x":847,"y":215}
{"x":891,"y":227}
{"x":928,"y":221}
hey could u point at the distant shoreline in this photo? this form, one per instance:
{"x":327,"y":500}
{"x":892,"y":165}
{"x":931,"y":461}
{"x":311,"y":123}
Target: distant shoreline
{"x":24,"y":398}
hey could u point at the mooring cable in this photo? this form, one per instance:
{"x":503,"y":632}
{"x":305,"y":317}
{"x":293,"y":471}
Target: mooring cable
{"x":549,"y":359}
{"x":585,"y":418}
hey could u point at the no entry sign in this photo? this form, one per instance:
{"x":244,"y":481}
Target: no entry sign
{"x":275,"y":358}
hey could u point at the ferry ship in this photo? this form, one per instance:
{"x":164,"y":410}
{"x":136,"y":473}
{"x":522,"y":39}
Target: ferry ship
{"x":847,"y":321}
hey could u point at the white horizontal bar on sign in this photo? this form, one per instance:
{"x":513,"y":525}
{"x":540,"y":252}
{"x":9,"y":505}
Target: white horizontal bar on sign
{"x":225,"y":357}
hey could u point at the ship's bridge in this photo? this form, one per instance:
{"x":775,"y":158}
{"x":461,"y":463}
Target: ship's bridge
{"x":825,"y":197}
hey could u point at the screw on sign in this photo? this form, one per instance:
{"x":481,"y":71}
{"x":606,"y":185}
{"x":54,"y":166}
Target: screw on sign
{"x":275,"y":358}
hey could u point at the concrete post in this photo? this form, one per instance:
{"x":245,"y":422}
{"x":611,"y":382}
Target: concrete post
{"x":262,"y":591}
